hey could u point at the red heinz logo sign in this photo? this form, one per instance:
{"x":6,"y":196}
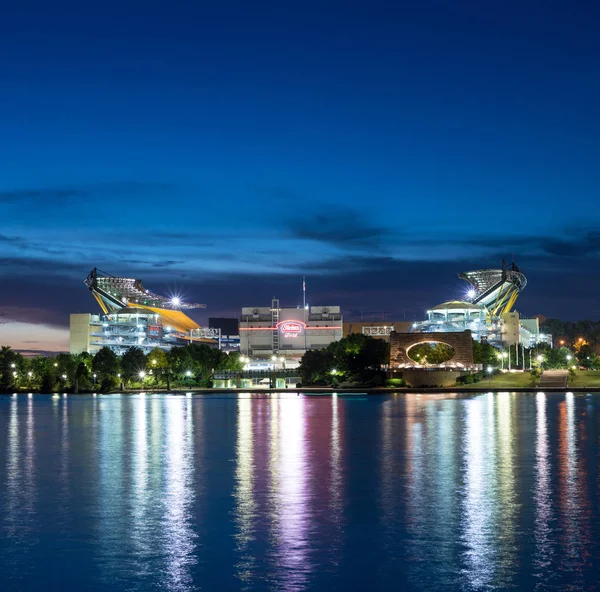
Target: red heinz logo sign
{"x":291,"y":326}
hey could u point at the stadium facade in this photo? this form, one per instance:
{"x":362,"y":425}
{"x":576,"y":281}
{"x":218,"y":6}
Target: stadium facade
{"x":278,"y":337}
{"x":134,"y":316}
{"x":487,"y":310}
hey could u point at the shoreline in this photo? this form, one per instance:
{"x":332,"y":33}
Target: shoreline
{"x":330,"y":391}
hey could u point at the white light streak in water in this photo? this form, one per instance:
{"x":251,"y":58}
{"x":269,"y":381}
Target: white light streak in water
{"x":141,"y":497}
{"x":505,"y":506}
{"x":179,"y":537}
{"x":477,"y":503}
{"x":292,"y":498}
{"x":29,"y":486}
{"x":388,"y":470}
{"x":245,"y":512}
{"x":336,"y":469}
{"x":13,"y":472}
{"x":542,"y":496}
{"x":572,"y":538}
{"x":413,"y":446}
{"x":63,"y":476}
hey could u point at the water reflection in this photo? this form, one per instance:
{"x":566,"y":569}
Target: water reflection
{"x":478,"y":502}
{"x":543,"y":496}
{"x":574,"y":531}
{"x":179,"y":536}
{"x":13,"y":473}
{"x":506,"y":503}
{"x":245,"y":513}
{"x":292,"y":498}
{"x":486,"y":492}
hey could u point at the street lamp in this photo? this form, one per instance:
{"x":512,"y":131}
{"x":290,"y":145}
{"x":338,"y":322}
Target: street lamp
{"x":501,"y":357}
{"x":142,"y":375}
{"x":13,"y":365}
{"x":489,"y":372}
{"x":94,"y":375}
{"x":188,"y":373}
{"x":569,"y":357}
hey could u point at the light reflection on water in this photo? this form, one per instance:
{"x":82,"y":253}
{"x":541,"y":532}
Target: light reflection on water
{"x":482,"y":492}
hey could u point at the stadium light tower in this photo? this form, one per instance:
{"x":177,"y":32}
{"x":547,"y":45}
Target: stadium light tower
{"x":175,"y":301}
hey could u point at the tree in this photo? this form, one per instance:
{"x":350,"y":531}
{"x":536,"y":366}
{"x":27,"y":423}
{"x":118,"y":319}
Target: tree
{"x":133,"y":361}
{"x":357,"y":358}
{"x":9,"y":374}
{"x":180,"y":361}
{"x":159,"y":365}
{"x":431,"y":353}
{"x":586,"y":356}
{"x":44,"y":372}
{"x":106,"y":363}
{"x":66,"y":366}
{"x":484,"y":353}
{"x":316,"y":366}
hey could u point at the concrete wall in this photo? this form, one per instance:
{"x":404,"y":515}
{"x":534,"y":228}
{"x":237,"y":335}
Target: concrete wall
{"x":79,"y":334}
{"x":510,"y":328}
{"x":430,"y":378}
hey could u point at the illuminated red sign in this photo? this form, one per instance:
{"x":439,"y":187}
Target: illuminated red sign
{"x":291,"y":326}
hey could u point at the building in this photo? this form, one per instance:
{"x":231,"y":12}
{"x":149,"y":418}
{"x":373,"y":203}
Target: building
{"x":134,"y":316}
{"x":229,"y":331}
{"x":379,"y":329}
{"x":486,"y":310}
{"x":129,"y":327}
{"x":280,"y":336}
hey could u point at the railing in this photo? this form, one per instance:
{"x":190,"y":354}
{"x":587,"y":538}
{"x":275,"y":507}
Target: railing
{"x":232,"y":374}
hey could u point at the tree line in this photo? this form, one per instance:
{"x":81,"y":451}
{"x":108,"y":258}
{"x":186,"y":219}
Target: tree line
{"x":190,"y":365}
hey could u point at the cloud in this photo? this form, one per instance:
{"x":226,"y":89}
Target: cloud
{"x":57,"y":195}
{"x":33,"y":314}
{"x":582,"y":245}
{"x":342,"y":228}
{"x":11,"y":239}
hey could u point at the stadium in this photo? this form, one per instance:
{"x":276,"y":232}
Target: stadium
{"x":134,"y":316}
{"x":486,"y":310}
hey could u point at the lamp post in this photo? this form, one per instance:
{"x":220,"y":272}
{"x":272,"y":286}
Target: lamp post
{"x":502,"y":356}
{"x":489,"y":373}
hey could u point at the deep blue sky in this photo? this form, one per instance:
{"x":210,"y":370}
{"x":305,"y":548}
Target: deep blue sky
{"x":226,"y":149}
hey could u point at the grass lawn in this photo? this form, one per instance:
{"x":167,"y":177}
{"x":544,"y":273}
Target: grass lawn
{"x":585,"y":378}
{"x":507,"y":380}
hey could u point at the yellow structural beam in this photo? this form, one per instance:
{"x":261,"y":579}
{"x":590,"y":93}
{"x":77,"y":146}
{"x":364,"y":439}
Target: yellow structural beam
{"x":174,"y":318}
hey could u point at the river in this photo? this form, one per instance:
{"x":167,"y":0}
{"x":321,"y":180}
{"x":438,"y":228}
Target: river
{"x":295,"y":492}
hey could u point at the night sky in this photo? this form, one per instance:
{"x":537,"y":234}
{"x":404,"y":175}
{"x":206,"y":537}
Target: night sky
{"x":223,"y":150}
